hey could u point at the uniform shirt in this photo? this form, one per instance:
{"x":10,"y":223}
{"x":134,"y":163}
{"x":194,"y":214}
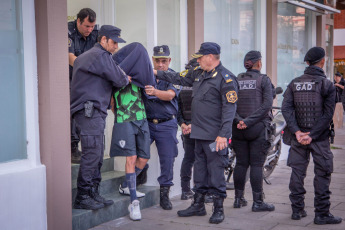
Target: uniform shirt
{"x":267,"y":101}
{"x":77,"y":44}
{"x":214,"y":100}
{"x":129,"y":105}
{"x":159,"y":109}
{"x":94,"y":76}
{"x":184,"y":106}
{"x":320,"y":131}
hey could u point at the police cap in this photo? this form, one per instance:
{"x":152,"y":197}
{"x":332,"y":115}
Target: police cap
{"x":161,"y":51}
{"x":111,"y":32}
{"x":207,"y":48}
{"x":314,"y":55}
{"x":250,"y":58}
{"x":338,"y":74}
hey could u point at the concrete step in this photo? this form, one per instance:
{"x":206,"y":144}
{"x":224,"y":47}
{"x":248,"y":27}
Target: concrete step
{"x":110,"y":183}
{"x":85,"y":219}
{"x":108,"y":165}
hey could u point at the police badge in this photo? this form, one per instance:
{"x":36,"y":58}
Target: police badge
{"x":231,"y":96}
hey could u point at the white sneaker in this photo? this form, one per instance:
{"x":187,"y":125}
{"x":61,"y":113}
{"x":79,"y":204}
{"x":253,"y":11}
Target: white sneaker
{"x":134,"y":210}
{"x":125,"y":191}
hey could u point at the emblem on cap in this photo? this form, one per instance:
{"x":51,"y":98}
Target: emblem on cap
{"x":161,"y":51}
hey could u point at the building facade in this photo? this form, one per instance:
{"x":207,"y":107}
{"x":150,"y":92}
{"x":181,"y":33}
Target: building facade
{"x":35,"y":168}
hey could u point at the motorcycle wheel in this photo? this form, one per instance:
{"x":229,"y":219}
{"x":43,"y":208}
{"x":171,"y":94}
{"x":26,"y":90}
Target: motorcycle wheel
{"x":269,"y":168}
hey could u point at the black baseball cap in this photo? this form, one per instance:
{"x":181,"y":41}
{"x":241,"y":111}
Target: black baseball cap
{"x":338,"y":74}
{"x":161,"y":51}
{"x":111,"y":32}
{"x":207,"y":48}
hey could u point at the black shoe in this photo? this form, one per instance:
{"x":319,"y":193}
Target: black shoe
{"x":97,"y":197}
{"x":75,"y":154}
{"x":218,"y":210}
{"x":164,"y":198}
{"x":239,"y":199}
{"x":259,"y":205}
{"x":298,"y":215}
{"x":85,"y":201}
{"x":196,"y":209}
{"x":327,"y":219}
{"x":208,"y":198}
{"x":187,"y":195}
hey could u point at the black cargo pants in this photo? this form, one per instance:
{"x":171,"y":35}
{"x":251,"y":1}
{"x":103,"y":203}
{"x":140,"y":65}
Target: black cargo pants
{"x":92,"y":145}
{"x":298,"y":160}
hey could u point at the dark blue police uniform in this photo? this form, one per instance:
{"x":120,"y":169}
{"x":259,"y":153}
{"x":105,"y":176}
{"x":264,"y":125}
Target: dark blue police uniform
{"x":95,"y":75}
{"x":163,"y":129}
{"x":77,"y":45}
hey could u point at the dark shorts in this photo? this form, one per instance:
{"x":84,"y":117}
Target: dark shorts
{"x":130,"y":139}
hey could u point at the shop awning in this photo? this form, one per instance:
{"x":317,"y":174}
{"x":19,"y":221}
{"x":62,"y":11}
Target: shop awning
{"x":313,"y":6}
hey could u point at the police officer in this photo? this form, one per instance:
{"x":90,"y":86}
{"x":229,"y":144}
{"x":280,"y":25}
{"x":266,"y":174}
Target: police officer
{"x":250,"y":130}
{"x":161,"y":110}
{"x":82,"y":36}
{"x":339,"y":84}
{"x":184,"y":118}
{"x":95,"y":74}
{"x":308,"y":108}
{"x":213,"y":110}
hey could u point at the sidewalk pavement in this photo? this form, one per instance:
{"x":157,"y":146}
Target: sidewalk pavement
{"x":276,"y":193}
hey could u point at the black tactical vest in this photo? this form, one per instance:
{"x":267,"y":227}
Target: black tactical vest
{"x":249,"y":93}
{"x":308,"y":100}
{"x":186,"y":103}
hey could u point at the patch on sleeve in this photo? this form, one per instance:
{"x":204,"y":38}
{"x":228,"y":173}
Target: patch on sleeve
{"x":69,"y":42}
{"x":231,"y":96}
{"x":183,"y":73}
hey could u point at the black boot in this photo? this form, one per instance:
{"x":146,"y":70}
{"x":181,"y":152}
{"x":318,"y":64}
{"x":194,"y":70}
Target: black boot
{"x":196,"y":209}
{"x":218,"y":211}
{"x":85,"y":201}
{"x":327,"y":219}
{"x":186,"y":195}
{"x":75,"y":153}
{"x":259,"y":205}
{"x":97,"y":197}
{"x":142,"y":177}
{"x":239,"y":199}
{"x":299,"y":215}
{"x":164,"y":198}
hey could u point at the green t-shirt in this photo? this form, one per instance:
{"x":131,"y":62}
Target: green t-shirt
{"x":129,"y":105}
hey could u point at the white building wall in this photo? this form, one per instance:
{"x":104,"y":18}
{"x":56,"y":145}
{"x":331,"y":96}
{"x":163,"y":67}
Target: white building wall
{"x":339,"y":37}
{"x":23,"y":182}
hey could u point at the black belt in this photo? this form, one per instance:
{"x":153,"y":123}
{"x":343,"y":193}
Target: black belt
{"x":157,"y":120}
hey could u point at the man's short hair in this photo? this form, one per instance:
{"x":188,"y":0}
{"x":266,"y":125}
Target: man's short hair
{"x":86,"y":12}
{"x":216,"y":56}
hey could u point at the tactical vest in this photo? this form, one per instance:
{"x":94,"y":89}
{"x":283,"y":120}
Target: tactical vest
{"x":186,"y":103}
{"x":308,"y":100}
{"x":249,"y":93}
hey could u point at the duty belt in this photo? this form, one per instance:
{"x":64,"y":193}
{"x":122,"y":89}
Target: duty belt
{"x":157,"y":120}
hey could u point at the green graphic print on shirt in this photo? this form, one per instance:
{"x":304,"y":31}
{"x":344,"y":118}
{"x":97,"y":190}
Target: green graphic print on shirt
{"x":129,"y":105}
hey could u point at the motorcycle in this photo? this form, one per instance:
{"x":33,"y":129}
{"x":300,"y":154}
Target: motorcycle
{"x":278,"y":125}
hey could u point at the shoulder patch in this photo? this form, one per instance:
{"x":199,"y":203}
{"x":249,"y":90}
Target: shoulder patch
{"x":183,"y":73}
{"x":69,"y":42}
{"x":227,"y":78}
{"x":231,"y":96}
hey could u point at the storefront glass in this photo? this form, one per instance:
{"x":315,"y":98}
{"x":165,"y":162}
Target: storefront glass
{"x":12,"y":87}
{"x":168,"y":29}
{"x":294,"y":40}
{"x":232,"y":25}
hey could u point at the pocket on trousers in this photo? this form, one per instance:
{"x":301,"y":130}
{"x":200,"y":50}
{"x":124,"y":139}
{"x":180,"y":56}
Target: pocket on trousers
{"x":89,"y":141}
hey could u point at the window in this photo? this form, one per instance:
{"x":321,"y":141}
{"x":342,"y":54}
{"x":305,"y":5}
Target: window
{"x":13,"y":138}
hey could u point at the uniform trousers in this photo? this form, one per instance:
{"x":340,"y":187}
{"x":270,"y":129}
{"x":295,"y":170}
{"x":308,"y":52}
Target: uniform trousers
{"x":187,"y":162}
{"x":298,"y":160}
{"x":92,"y":145}
{"x":164,"y":135}
{"x":251,"y":148}
{"x":209,"y":169}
